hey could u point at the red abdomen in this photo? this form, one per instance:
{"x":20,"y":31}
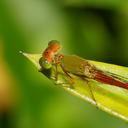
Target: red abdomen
{"x":101,"y":77}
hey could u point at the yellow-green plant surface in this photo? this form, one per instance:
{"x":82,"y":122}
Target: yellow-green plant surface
{"x":111,"y":99}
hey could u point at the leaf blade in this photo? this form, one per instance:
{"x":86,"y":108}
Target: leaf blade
{"x":113,"y":100}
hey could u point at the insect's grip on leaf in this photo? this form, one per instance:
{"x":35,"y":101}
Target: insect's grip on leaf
{"x":107,"y":84}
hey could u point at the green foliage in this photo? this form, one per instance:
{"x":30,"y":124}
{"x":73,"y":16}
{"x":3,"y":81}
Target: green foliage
{"x":92,"y":29}
{"x":111,"y":99}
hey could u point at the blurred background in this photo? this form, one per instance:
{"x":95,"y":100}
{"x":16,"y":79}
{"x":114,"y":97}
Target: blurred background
{"x":96,"y":30}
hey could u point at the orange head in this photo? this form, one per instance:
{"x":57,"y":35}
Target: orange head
{"x":51,"y":50}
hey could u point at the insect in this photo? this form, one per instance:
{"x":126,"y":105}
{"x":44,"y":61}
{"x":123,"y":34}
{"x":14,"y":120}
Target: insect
{"x":78,"y":66}
{"x":49,"y":53}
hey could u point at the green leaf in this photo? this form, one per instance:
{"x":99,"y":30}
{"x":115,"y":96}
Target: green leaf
{"x":112,"y":99}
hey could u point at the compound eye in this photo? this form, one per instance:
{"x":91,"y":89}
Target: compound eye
{"x":45,"y":64}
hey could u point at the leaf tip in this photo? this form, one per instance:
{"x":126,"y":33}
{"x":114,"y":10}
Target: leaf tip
{"x":21,"y":52}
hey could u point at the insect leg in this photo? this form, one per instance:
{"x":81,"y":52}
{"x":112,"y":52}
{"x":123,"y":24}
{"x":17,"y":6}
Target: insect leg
{"x":56,"y":72}
{"x":91,"y":91}
{"x":71,"y":80}
{"x":63,"y":84}
{"x":92,"y":95}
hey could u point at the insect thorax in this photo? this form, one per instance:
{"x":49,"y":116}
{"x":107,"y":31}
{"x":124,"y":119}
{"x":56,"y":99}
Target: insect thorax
{"x":78,"y":66}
